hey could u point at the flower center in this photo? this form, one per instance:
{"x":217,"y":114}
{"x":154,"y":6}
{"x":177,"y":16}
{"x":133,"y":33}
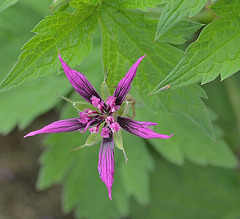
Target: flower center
{"x":107,"y":113}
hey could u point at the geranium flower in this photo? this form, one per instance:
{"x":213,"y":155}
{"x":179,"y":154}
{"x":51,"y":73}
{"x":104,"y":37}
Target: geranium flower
{"x":106,"y":118}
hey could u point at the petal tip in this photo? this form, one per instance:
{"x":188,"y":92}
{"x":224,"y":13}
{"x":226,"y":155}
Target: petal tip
{"x":28,"y":135}
{"x":141,"y":58}
{"x":166,"y":136}
{"x":59,"y":56}
{"x":110,"y":194}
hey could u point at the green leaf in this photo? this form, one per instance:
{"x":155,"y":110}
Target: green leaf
{"x":14,"y":32}
{"x":143,"y":4}
{"x":187,"y":101}
{"x":78,"y":3}
{"x":216,"y":51}
{"x":175,"y":11}
{"x":39,"y":6}
{"x":224,"y":99}
{"x":59,"y":4}
{"x":77,"y":171}
{"x":188,"y":141}
{"x":226,"y":8}
{"x":191,"y":192}
{"x":176,"y":34}
{"x":4,"y":4}
{"x":90,"y":66}
{"x":24,"y":104}
{"x":68,"y":33}
{"x":135,"y":174}
{"x":126,"y":37}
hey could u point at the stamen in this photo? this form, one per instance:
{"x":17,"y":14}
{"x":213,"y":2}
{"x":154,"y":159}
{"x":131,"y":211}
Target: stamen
{"x":115,"y":108}
{"x":95,"y":129}
{"x":101,"y":106}
{"x":115,"y":127}
{"x":95,"y":101}
{"x":109,"y":120}
{"x":84,"y":118}
{"x":105,"y":132}
{"x":111,"y":101}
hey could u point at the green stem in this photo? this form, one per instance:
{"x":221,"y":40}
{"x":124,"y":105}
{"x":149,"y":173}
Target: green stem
{"x":234,"y":97}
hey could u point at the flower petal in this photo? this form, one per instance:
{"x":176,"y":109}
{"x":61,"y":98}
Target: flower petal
{"x":139,"y":128}
{"x":125,"y":84}
{"x":68,"y":125}
{"x":79,"y":82}
{"x":106,"y":163}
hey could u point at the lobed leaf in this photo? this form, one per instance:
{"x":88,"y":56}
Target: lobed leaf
{"x":136,"y":4}
{"x":14,"y":32}
{"x":191,"y":192}
{"x":190,"y":105}
{"x":19,"y":107}
{"x":79,"y":3}
{"x":24,"y":104}
{"x":175,"y":11}
{"x":59,"y":4}
{"x":139,"y":164}
{"x":91,"y":65}
{"x":188,"y":141}
{"x":224,"y":99}
{"x":225,"y":8}
{"x":77,"y":171}
{"x":176,"y":34}
{"x":216,"y":51}
{"x":62,"y":32}
{"x":126,"y":37}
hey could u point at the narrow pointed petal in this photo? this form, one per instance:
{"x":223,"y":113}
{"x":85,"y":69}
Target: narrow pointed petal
{"x":125,"y":84}
{"x":106,"y":163}
{"x":79,"y":82}
{"x":68,"y":125}
{"x":139,"y":128}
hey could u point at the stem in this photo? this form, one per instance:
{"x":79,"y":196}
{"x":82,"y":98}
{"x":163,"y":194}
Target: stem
{"x":234,"y":97}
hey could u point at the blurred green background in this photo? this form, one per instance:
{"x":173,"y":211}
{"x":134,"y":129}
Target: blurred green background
{"x":153,"y":188}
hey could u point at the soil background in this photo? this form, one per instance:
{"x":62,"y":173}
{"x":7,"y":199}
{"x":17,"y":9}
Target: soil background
{"x":19,"y":198}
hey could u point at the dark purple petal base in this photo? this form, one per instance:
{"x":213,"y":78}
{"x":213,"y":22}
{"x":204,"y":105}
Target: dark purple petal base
{"x":139,"y":128}
{"x":79,"y":82}
{"x":125,"y":84}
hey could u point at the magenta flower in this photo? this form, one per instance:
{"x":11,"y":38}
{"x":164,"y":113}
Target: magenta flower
{"x":105,"y":119}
